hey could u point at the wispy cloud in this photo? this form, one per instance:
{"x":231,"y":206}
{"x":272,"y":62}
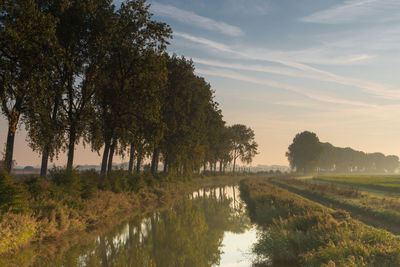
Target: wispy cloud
{"x":377,"y":89}
{"x":193,"y":19}
{"x":203,"y":41}
{"x":354,"y":10}
{"x":273,"y":84}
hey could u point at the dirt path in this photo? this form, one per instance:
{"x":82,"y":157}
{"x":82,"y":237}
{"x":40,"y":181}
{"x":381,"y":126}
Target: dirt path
{"x":356,"y":213}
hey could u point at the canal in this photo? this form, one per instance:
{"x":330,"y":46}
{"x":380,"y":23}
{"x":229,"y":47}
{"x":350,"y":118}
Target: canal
{"x":209,"y":227}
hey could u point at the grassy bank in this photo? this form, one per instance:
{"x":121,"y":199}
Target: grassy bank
{"x":299,"y":231}
{"x":381,"y":210}
{"x":34,"y":210}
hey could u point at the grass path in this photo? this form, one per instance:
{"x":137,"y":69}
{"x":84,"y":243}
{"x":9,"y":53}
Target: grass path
{"x":356,"y":213}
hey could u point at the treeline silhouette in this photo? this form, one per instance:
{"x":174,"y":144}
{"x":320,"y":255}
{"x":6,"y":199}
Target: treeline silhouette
{"x":307,"y":154}
{"x":349,"y":160}
{"x":85,"y":71}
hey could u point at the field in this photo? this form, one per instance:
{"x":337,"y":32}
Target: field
{"x":373,"y":199}
{"x":298,"y":231}
{"x":386,"y":184}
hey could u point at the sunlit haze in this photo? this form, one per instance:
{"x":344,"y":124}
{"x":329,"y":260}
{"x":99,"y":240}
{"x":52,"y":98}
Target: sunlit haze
{"x":285,"y":66}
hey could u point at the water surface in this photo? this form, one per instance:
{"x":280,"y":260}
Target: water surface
{"x":210,"y":227}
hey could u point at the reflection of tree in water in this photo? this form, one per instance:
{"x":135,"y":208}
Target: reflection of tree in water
{"x":190,"y":234}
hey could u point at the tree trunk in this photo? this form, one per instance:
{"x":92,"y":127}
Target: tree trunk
{"x":234,"y":164}
{"x":105,"y":157}
{"x":131,"y":158}
{"x":13,"y":119}
{"x":220,"y":166}
{"x":45,"y":161}
{"x":71,"y":146}
{"x":8,"y":162}
{"x":111,"y":155}
{"x":138,"y":163}
{"x":165,"y":165}
{"x":154,"y":161}
{"x":46,"y":151}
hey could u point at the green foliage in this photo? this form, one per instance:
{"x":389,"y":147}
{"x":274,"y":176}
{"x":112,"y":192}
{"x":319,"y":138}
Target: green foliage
{"x":362,"y":194}
{"x":119,"y":181}
{"x":37,"y":187}
{"x":304,"y":152}
{"x":27,"y":38}
{"x":13,"y":196}
{"x":79,"y":184}
{"x":307,"y":233}
{"x":243,"y":145}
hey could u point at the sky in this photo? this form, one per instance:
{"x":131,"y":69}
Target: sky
{"x":285,"y":66}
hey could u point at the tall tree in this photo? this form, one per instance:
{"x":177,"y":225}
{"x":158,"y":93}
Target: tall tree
{"x":304,"y":152}
{"x":133,"y":73}
{"x":244,"y":146}
{"x":27,"y":39}
{"x":184,"y":114}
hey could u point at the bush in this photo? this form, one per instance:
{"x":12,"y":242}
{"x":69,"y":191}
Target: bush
{"x":37,"y":187}
{"x":78,"y":184}
{"x":119,"y":181}
{"x":13,"y":197}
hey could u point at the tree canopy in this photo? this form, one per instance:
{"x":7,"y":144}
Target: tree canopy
{"x":84,"y":71}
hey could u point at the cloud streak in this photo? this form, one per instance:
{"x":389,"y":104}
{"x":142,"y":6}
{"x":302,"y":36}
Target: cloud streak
{"x":273,"y":84}
{"x":193,"y":19}
{"x":354,"y":11}
{"x":373,"y":88}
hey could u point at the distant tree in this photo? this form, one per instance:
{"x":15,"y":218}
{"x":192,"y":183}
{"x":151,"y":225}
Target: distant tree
{"x":244,"y":147}
{"x":304,"y":152}
{"x":391,"y":163}
{"x":224,"y":147}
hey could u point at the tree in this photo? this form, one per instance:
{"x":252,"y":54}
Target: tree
{"x":131,"y":77}
{"x":391,"y":163}
{"x":244,"y":146}
{"x":304,"y":152}
{"x":27,"y":38}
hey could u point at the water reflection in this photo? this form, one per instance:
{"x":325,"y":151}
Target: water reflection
{"x":188,"y":234}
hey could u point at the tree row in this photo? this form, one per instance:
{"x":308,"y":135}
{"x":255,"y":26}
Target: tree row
{"x":85,"y":71}
{"x":307,"y":154}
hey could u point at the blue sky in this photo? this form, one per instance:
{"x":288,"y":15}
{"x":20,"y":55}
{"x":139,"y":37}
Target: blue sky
{"x":284,"y":66}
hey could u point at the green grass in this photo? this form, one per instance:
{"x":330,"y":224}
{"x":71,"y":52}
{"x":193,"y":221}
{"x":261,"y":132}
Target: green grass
{"x":381,"y":209}
{"x":300,"y":231}
{"x":385,"y":183}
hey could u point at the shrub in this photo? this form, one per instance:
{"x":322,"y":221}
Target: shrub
{"x":119,"y":181}
{"x":13,"y":197}
{"x":37,"y":187}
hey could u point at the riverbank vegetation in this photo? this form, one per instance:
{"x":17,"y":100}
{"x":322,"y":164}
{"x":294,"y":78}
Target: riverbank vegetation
{"x":186,"y":233}
{"x":36,"y":209}
{"x":308,"y":155}
{"x":299,"y":231}
{"x":375,"y":199}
